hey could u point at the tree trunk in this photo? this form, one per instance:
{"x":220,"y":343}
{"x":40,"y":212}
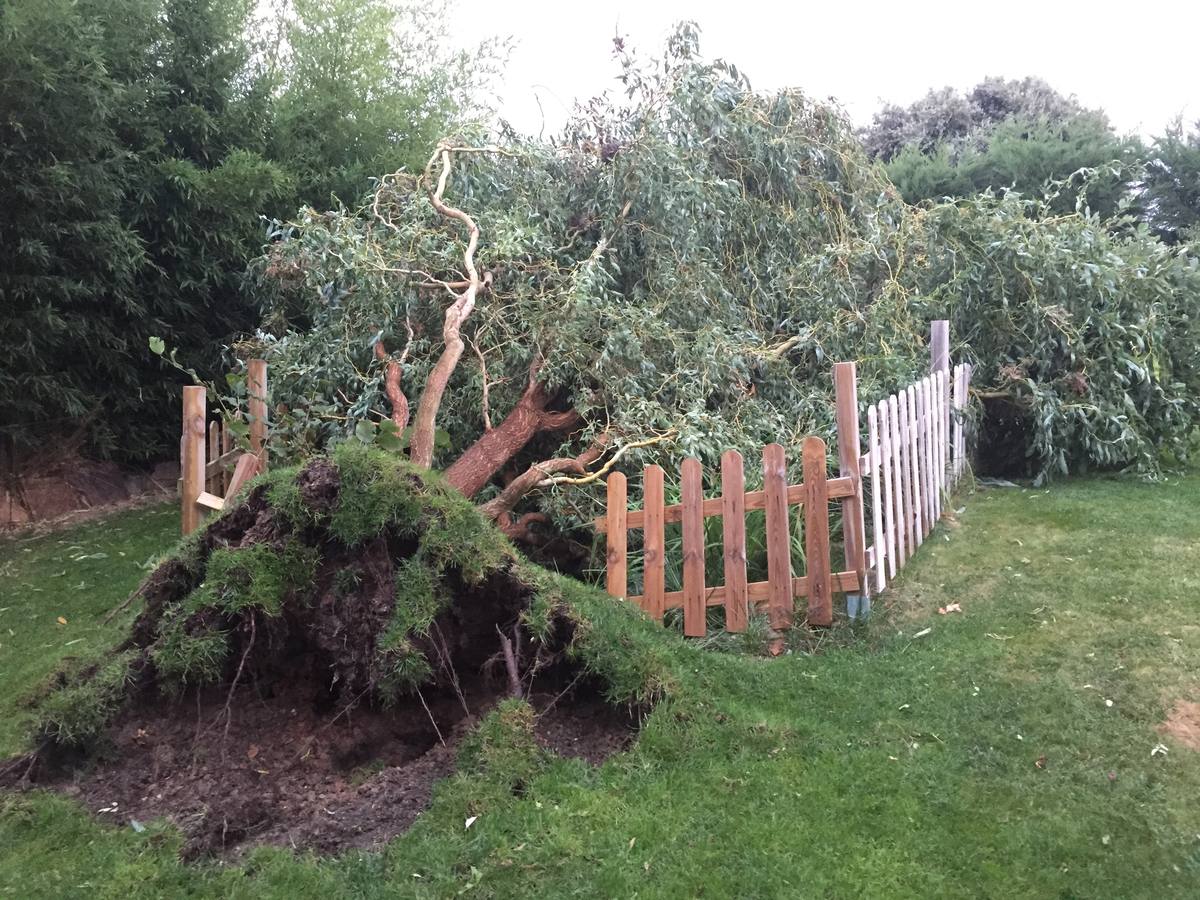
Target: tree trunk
{"x":480,"y":462}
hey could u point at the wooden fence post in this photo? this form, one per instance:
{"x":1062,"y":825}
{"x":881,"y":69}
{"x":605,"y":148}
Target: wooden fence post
{"x":654,"y":544}
{"x":845,"y":388}
{"x":692,"y":516}
{"x":779,"y":544}
{"x":816,"y":533}
{"x":617,"y":536}
{"x":939,"y":361}
{"x":256,"y":392}
{"x":733,"y":531}
{"x":192,"y":460}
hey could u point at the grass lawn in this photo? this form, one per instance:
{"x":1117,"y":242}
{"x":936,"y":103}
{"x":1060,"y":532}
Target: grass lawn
{"x":1007,"y":752}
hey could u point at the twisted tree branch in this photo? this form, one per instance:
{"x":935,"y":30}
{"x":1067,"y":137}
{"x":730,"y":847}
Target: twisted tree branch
{"x":393,"y":372}
{"x":421,"y":447}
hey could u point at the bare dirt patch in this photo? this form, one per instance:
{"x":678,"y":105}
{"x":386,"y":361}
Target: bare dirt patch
{"x":1183,"y":724}
{"x":293,"y":772}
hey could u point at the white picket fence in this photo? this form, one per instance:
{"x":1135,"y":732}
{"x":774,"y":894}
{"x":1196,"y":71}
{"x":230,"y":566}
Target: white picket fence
{"x":916,"y":453}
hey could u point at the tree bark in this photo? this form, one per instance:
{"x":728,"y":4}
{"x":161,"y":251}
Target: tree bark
{"x":500,"y":508}
{"x":480,"y":462}
{"x":392,"y":388}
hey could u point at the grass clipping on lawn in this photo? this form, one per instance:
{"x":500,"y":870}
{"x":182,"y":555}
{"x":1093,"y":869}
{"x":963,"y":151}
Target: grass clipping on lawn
{"x":369,"y":572}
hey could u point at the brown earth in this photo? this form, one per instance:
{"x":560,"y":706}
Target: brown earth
{"x":1183,"y":724}
{"x":293,"y":772}
{"x":74,"y":488}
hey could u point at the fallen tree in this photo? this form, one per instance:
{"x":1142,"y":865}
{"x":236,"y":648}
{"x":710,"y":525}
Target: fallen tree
{"x":675,"y":275}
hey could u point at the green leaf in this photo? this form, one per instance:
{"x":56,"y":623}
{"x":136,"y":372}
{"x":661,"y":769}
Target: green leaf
{"x":157,"y":345}
{"x":365,"y":431}
{"x":389,"y":439}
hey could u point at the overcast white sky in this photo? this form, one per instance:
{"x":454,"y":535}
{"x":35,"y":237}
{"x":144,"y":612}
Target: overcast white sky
{"x":1137,"y":61}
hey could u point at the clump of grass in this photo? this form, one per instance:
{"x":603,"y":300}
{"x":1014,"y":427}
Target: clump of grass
{"x":86,"y":698}
{"x":612,"y":640}
{"x":400,"y":668}
{"x":380,"y":492}
{"x":360,"y":775}
{"x":186,"y":657}
{"x":503,"y":746}
{"x":419,"y":598}
{"x":283,"y":493}
{"x":259,"y":577}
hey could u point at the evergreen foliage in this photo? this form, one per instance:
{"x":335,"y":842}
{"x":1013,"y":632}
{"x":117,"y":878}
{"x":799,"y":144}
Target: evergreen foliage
{"x":1172,"y":184}
{"x":1002,"y":134}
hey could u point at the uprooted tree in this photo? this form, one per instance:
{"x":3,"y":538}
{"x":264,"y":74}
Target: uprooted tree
{"x":675,"y":276}
{"x":661,"y":282}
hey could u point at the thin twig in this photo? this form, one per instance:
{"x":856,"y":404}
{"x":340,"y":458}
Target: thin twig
{"x":444,"y":655}
{"x":561,"y":694}
{"x":236,"y":678}
{"x":510,"y":663}
{"x":487,"y":413}
{"x":432,"y":720}
{"x":612,"y":461}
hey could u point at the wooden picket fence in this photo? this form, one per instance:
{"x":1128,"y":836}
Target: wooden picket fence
{"x":211,"y":469}
{"x":779,"y":591}
{"x":916,"y":453}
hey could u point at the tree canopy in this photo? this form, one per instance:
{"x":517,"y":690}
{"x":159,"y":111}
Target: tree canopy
{"x":1172,"y":184}
{"x":675,"y":275}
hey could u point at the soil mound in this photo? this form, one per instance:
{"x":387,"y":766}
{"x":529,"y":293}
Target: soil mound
{"x":305,"y":668}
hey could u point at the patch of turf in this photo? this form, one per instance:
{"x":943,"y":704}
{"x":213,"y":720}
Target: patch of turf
{"x":1008,"y":752}
{"x":258,"y":576}
{"x":76,"y":575}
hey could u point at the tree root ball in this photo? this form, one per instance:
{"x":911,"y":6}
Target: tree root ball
{"x":302,"y":670}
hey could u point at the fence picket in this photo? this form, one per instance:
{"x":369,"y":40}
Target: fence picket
{"x":958,"y":423}
{"x":935,"y":431}
{"x":692,"y":500}
{"x":874,"y":455}
{"x":654,"y":543}
{"x":910,"y":402}
{"x":226,"y":447}
{"x":930,"y":455}
{"x":896,"y":426}
{"x":212,"y":481}
{"x":733,"y":527}
{"x":617,"y":580}
{"x":921,"y":396}
{"x":889,"y":508}
{"x":816,"y":533}
{"x":779,"y":547}
{"x":945,"y":441}
{"x":256,"y":403}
